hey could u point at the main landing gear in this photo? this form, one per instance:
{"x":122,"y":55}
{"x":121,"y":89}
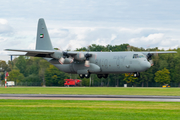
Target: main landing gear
{"x":88,"y":75}
{"x":136,"y":74}
{"x":84,"y":75}
{"x":102,"y":75}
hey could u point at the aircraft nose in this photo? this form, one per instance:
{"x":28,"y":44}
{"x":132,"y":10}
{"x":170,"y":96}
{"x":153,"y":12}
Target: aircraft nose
{"x":148,"y":65}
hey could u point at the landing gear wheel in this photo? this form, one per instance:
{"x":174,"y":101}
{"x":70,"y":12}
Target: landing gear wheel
{"x":87,"y":75}
{"x":105,"y":75}
{"x":137,"y":74}
{"x":81,"y":75}
{"x":99,"y":76}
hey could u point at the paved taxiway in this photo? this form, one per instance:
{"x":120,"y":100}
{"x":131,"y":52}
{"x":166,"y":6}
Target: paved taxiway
{"x":91,"y":97}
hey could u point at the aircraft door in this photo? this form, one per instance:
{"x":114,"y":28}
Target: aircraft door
{"x":106,"y":63}
{"x":118,"y":63}
{"x":126,"y":64}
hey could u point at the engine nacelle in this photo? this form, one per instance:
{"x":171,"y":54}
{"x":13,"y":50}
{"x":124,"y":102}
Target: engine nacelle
{"x":57,"y":55}
{"x":80,"y":57}
{"x":68,"y":61}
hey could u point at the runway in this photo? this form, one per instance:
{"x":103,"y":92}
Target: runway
{"x":91,"y":97}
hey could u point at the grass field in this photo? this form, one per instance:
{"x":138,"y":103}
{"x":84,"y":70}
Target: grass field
{"x":91,"y":91}
{"x":88,"y":110}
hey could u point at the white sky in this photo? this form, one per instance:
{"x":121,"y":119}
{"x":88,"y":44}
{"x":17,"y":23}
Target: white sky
{"x":79,"y":23}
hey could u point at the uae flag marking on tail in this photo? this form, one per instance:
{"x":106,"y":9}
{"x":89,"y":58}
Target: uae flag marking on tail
{"x":41,"y":35}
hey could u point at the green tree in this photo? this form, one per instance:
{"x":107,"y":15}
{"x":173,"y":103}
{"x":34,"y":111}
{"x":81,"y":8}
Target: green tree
{"x":4,"y":66}
{"x":21,"y":64}
{"x":55,"y":77}
{"x":43,"y":64}
{"x":32,"y":66}
{"x":32,"y":80}
{"x":129,"y":78}
{"x":16,"y":76}
{"x":177,"y":74}
{"x":146,"y":77}
{"x":162,"y":76}
{"x":175,"y":68}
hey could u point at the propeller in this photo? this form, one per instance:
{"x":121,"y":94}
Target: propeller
{"x":81,"y":55}
{"x":149,"y":57}
{"x":65,"y":55}
{"x":87,"y":56}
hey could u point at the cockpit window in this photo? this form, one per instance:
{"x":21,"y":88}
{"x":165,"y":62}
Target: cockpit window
{"x":135,"y":56}
{"x":138,"y":56}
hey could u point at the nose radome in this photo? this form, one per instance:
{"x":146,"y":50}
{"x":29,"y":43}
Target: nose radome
{"x":147,"y":65}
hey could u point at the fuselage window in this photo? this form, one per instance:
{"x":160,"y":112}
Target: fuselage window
{"x":141,"y":56}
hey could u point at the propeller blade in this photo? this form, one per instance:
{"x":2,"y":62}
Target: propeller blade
{"x":151,"y":62}
{"x":72,"y":59}
{"x":95,"y":56}
{"x":61,"y":60}
{"x":81,"y":55}
{"x":156,"y":54}
{"x":87,"y":63}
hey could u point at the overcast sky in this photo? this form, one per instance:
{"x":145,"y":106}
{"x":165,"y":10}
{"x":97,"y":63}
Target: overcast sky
{"x":79,"y":23}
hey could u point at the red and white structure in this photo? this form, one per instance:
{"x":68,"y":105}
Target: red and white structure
{"x":6,"y":75}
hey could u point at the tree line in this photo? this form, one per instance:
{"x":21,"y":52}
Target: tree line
{"x":34,"y":71}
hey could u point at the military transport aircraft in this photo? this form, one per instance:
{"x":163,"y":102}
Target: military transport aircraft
{"x":87,"y":63}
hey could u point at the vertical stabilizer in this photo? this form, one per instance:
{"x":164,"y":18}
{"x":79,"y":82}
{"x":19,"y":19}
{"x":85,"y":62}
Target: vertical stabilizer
{"x":43,"y":41}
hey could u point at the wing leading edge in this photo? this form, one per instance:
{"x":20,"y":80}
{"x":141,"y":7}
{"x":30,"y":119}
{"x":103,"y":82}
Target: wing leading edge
{"x":35,"y":53}
{"x":39,"y":53}
{"x":158,"y":52}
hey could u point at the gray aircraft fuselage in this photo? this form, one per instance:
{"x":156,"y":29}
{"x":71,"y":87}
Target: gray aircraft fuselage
{"x":107,"y":62}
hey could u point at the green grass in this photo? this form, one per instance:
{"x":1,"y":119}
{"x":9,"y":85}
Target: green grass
{"x":88,"y":110}
{"x":91,"y":91}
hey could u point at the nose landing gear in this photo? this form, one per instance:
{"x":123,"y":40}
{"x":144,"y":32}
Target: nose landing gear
{"x":136,"y":74}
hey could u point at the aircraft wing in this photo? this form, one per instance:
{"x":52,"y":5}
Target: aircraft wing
{"x":35,"y":53}
{"x":158,"y":52}
{"x":38,"y":53}
{"x":32,"y":51}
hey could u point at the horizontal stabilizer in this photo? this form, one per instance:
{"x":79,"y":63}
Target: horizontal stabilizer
{"x":32,"y":51}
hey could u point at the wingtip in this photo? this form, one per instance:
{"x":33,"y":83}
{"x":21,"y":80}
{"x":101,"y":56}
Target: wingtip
{"x":7,"y":49}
